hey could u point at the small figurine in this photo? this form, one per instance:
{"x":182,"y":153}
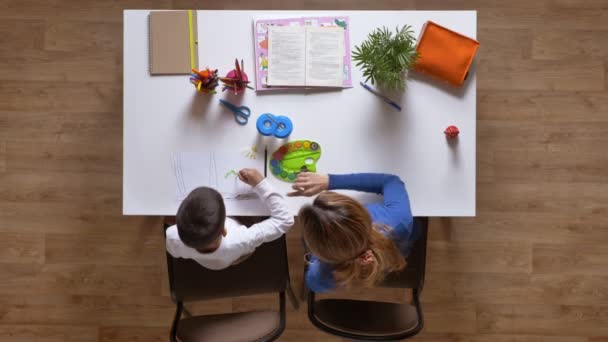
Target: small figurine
{"x":236,"y":79}
{"x":205,"y":81}
{"x":451,"y":132}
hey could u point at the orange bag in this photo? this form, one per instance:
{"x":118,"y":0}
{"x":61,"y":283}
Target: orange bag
{"x":445,"y":54}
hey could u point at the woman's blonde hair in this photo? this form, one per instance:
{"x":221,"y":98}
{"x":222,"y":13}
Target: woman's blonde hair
{"x":339,"y":231}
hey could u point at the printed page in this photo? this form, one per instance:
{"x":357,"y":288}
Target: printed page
{"x":324,"y":56}
{"x":286,"y":56}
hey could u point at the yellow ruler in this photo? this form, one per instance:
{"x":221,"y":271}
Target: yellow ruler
{"x":192,"y":47}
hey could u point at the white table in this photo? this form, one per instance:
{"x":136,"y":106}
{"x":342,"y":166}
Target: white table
{"x":357,"y":131}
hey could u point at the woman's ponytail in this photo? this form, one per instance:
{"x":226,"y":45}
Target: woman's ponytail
{"x":339,"y":231}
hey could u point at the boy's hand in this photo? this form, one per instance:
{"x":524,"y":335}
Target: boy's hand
{"x":309,"y":184}
{"x":250,"y":176}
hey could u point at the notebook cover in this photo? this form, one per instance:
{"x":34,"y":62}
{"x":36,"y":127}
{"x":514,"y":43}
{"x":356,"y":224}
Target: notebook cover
{"x":260,"y":35}
{"x":445,"y":54}
{"x":170,"y":43}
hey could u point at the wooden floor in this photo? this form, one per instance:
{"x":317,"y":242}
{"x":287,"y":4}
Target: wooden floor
{"x":531,"y":267}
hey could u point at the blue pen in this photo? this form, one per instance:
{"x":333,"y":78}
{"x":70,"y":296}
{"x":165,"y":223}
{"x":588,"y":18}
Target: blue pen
{"x":386,"y":99}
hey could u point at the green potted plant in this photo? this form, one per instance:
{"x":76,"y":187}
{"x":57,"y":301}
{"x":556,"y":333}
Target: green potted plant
{"x":385,"y":58}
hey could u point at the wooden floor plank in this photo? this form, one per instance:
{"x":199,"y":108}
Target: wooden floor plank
{"x":452,"y":318}
{"x":59,"y":279}
{"x":584,"y":166}
{"x":48,"y":66}
{"x":567,"y":228}
{"x":424,"y":337}
{"x":73,"y":218}
{"x":556,"y":320}
{"x":46,"y":333}
{"x":2,"y":156}
{"x":107,"y":310}
{"x":606,"y":75}
{"x":495,"y":338}
{"x":25,"y":248}
{"x":525,"y":74}
{"x":471,"y":256}
{"x":101,"y":189}
{"x":581,"y":198}
{"x":565,"y":43}
{"x":12,"y":33}
{"x":311,"y":334}
{"x":28,"y":156}
{"x":577,"y":4}
{"x":551,"y":136}
{"x":74,"y":10}
{"x":77,"y":129}
{"x":504,"y":43}
{"x":542,"y":106}
{"x":133,"y":334}
{"x":28,"y":9}
{"x":76,"y":36}
{"x":71,"y":97}
{"x":103,"y":249}
{"x":550,"y":17}
{"x":480,"y":5}
{"x":518,"y":288}
{"x":588,"y":259}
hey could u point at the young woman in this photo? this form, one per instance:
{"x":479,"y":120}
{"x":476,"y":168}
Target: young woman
{"x":353,"y":244}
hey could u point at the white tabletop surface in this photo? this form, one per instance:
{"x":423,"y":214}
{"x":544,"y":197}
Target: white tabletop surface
{"x":356,"y":130}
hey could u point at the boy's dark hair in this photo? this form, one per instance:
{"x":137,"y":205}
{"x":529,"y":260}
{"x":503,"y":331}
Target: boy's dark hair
{"x":200,"y":217}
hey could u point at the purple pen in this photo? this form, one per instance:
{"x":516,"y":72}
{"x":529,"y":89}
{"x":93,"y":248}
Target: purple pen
{"x":386,"y":99}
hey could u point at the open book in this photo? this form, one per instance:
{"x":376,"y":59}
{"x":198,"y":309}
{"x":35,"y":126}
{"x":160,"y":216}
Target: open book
{"x":306,"y":56}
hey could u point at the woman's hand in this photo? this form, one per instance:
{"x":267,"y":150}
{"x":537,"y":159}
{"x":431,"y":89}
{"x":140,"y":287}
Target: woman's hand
{"x":250,"y":176}
{"x":309,"y":184}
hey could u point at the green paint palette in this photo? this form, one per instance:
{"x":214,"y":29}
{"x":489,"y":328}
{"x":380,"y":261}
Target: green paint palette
{"x":295,"y":157}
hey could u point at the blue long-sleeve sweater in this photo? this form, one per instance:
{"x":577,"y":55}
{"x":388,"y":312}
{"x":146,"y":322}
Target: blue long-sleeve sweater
{"x":394,"y":211}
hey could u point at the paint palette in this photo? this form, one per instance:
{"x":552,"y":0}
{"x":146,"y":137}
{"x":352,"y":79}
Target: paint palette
{"x":295,"y":157}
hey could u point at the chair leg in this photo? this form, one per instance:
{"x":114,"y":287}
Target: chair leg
{"x":303,"y":292}
{"x":292,"y":296}
{"x":176,"y":318}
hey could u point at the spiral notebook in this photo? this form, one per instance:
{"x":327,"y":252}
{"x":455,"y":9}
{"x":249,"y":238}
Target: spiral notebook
{"x":173,"y":42}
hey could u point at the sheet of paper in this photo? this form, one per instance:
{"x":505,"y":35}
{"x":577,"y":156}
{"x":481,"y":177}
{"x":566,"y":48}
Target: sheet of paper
{"x":217,"y":169}
{"x":325,"y":56}
{"x":286,"y":56}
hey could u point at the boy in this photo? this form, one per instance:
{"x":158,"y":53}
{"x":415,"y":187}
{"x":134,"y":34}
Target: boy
{"x":205,"y":234}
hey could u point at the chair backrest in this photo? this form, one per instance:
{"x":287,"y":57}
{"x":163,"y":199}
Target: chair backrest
{"x":413,"y":274}
{"x":265,"y":271}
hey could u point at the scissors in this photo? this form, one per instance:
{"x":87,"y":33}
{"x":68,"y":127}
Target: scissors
{"x":241,"y":114}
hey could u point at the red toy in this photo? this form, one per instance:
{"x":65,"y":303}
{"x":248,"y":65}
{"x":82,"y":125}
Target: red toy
{"x":451,"y":132}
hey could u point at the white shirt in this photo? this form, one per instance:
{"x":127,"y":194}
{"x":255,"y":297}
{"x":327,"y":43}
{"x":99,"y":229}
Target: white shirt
{"x":239,"y":240}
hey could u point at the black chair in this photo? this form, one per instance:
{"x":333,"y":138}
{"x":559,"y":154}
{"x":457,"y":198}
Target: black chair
{"x":378,"y":321}
{"x":265,"y":271}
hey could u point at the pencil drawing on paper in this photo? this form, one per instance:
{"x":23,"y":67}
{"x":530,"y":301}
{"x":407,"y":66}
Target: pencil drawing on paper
{"x":212,"y":169}
{"x":230,"y":173}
